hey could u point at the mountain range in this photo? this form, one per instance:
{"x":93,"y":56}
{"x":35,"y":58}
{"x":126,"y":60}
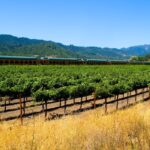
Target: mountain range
{"x":15,"y":46}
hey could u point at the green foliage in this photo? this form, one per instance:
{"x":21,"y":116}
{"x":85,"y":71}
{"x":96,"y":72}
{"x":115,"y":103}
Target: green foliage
{"x":119,"y":88}
{"x":102,"y":92}
{"x":141,"y":58}
{"x":63,"y":92}
{"x":57,"y":82}
{"x":41,"y":95}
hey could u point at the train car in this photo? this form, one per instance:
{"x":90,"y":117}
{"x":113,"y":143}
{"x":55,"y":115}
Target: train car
{"x":119,"y":62}
{"x":96,"y":61}
{"x":65,"y":61}
{"x":17,"y":60}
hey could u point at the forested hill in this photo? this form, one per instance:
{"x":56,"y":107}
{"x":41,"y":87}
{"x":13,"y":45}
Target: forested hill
{"x":11,"y":45}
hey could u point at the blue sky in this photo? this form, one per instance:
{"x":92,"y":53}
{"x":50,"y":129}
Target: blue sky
{"x":105,"y":23}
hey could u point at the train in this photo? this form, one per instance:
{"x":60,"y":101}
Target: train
{"x":33,"y":60}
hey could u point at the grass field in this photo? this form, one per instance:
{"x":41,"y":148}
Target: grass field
{"x":124,"y":129}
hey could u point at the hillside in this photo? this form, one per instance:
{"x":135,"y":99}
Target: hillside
{"x":11,"y":45}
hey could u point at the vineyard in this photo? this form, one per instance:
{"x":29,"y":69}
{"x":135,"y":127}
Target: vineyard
{"x":65,"y":86}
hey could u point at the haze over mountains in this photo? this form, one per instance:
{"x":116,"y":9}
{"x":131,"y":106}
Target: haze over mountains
{"x":11,"y":45}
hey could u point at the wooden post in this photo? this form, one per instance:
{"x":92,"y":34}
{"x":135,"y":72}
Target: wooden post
{"x":105,"y":105}
{"x":45,"y":109}
{"x":117,"y":104}
{"x":143,"y":93}
{"x":94,"y":105}
{"x":65,"y":105}
{"x":127,"y":98}
{"x":81,"y":103}
{"x":24,"y":105}
{"x":5,"y":105}
{"x":20,"y":101}
{"x":135,"y":95}
{"x":42,"y":106}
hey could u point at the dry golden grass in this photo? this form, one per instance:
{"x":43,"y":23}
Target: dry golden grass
{"x":122,"y":130}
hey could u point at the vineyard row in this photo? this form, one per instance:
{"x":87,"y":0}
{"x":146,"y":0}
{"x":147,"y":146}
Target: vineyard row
{"x":94,"y":103}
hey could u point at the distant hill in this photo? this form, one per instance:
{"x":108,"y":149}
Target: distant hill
{"x":11,"y":45}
